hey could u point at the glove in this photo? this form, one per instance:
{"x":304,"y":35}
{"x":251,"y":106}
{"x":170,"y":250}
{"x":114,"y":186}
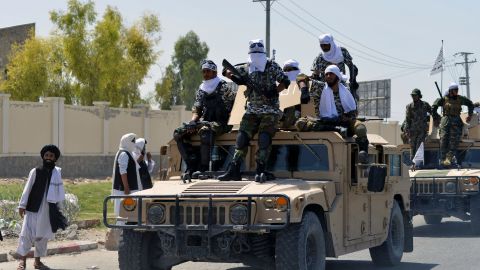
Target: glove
{"x":302,"y":77}
{"x":305,"y":96}
{"x":191,"y":126}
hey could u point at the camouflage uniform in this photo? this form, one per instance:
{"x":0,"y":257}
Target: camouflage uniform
{"x":262,"y":112}
{"x":319,"y":64}
{"x":416,"y":123}
{"x":353,"y":126}
{"x":451,"y":124}
{"x":213,"y":122}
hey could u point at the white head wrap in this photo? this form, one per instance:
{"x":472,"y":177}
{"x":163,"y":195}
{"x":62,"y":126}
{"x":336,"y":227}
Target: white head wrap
{"x":453,"y":85}
{"x":127,"y":142}
{"x":140,"y":144}
{"x":334,"y":55}
{"x":335,"y":70}
{"x":257,"y":59}
{"x":292,"y":75}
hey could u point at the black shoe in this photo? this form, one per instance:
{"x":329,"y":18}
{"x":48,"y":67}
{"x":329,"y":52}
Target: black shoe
{"x":262,"y":176}
{"x":232,"y":173}
{"x":363,"y":157}
{"x":200,"y":174}
{"x":186,"y":177}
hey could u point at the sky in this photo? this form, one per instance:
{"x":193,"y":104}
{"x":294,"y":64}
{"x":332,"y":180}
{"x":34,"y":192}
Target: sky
{"x":387,"y":39}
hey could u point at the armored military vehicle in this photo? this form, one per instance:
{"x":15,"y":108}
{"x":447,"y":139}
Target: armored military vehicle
{"x":439,"y":192}
{"x":323,"y":203}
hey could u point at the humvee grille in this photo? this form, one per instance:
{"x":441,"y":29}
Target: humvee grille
{"x":429,"y":188}
{"x":198,"y":215}
{"x":215,"y":187}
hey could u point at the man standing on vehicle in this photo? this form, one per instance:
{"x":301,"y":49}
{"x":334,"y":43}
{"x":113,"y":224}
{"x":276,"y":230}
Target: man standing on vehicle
{"x":417,"y":117}
{"x":451,"y":124}
{"x":332,"y":54}
{"x":262,"y":112}
{"x":335,"y":107}
{"x":210,"y":114}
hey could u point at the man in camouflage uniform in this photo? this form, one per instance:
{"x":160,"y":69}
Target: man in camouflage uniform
{"x":451,"y":125}
{"x":332,"y":54}
{"x":211,"y":111}
{"x":262,"y":111}
{"x":417,"y":117}
{"x":334,"y":105}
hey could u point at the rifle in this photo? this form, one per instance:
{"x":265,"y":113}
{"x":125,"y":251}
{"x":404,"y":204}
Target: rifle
{"x":240,"y":79}
{"x":438,"y":89}
{"x":365,"y":119}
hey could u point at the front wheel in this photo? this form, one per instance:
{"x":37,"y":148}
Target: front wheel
{"x":137,"y":252}
{"x":432,"y":219}
{"x":391,"y":251}
{"x":301,"y":246}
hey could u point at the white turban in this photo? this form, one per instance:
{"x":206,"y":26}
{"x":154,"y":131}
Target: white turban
{"x":291,"y":63}
{"x":127,"y":142}
{"x":334,"y":55}
{"x":292,"y":74}
{"x":256,"y":46}
{"x":453,"y":85}
{"x":335,"y":70}
{"x":140,"y":143}
{"x":257,"y":59}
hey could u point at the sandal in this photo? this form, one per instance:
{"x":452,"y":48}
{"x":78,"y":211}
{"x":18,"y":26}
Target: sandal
{"x":22,"y":265}
{"x":40,"y":266}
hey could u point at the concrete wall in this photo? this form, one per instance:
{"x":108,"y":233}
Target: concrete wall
{"x":88,"y":136}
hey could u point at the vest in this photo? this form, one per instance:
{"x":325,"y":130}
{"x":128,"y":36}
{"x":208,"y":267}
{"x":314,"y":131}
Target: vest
{"x":145,"y":175}
{"x":131,"y":174}
{"x":452,"y":107}
{"x":39,"y":188}
{"x":215,"y":109}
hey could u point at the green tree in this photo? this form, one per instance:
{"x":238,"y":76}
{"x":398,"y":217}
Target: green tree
{"x":167,"y":88}
{"x":109,"y":60}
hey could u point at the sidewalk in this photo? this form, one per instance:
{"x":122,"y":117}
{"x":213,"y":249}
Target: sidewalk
{"x":54,"y":248}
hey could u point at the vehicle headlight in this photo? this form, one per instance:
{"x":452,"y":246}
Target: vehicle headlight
{"x":129,"y":204}
{"x":450,"y":187}
{"x":238,"y":214}
{"x":156,"y":214}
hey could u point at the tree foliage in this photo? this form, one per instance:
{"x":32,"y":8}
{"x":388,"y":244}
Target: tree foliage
{"x":87,"y":59}
{"x":182,"y":78}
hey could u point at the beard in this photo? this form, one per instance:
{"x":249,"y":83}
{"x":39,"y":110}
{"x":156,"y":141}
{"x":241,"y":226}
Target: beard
{"x":48,"y":164}
{"x":332,"y":84}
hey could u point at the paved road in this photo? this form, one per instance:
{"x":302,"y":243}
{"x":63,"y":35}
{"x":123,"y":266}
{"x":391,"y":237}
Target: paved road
{"x":447,"y":246}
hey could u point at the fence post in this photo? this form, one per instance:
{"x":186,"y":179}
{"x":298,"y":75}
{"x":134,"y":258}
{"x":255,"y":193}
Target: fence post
{"x":4,"y":110}
{"x":104,"y":114}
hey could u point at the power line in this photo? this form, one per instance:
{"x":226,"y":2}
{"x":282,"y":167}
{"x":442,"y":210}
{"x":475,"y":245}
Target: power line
{"x":467,"y":75}
{"x":372,"y":58}
{"x":360,"y":44}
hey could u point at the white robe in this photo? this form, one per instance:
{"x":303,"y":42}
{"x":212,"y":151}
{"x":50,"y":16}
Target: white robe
{"x":36,"y":228}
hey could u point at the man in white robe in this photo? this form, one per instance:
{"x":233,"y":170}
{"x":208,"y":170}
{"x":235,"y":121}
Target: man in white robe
{"x":44,"y":186}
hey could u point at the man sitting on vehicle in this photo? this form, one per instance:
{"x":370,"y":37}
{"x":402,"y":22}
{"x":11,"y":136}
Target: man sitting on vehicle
{"x":211,"y":111}
{"x":336,"y":107}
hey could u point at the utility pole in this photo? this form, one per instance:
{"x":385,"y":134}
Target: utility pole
{"x":465,"y":80}
{"x":268,"y":4}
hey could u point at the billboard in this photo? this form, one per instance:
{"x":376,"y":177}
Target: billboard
{"x":374,"y":98}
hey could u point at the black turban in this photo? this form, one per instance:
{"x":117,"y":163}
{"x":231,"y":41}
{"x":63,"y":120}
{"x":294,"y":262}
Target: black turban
{"x":50,"y":148}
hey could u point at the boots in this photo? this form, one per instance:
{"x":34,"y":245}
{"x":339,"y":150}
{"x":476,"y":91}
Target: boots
{"x":232,"y":172}
{"x":200,"y":174}
{"x":262,"y":175}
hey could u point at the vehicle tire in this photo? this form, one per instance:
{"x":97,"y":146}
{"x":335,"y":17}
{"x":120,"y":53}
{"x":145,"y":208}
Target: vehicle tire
{"x":391,"y":251}
{"x":475,"y":220}
{"x":301,"y":246}
{"x":135,"y":251}
{"x":432,"y":219}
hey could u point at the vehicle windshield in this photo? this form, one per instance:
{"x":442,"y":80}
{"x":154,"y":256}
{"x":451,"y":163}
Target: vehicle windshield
{"x":469,"y":158}
{"x":298,"y":157}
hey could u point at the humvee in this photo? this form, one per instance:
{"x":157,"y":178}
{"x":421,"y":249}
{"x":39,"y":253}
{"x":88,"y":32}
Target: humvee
{"x":439,"y":192}
{"x":323,"y":203}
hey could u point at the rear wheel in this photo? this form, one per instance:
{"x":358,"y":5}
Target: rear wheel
{"x":137,"y":252}
{"x":301,"y":246}
{"x":433,"y":219}
{"x":391,"y":251}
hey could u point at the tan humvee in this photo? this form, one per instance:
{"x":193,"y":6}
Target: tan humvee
{"x":439,"y":192}
{"x":322,"y":204}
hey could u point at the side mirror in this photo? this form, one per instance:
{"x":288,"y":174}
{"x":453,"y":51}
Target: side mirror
{"x":376,"y":178}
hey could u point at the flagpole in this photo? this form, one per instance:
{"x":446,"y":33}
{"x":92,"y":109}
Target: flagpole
{"x":441,"y":74}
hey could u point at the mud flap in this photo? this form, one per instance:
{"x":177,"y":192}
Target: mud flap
{"x":408,"y":228}
{"x":376,"y":178}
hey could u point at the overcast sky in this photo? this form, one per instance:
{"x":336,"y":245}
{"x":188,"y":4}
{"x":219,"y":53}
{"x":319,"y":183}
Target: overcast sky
{"x":387,"y":39}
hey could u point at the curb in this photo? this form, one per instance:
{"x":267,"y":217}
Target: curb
{"x":72,"y":247}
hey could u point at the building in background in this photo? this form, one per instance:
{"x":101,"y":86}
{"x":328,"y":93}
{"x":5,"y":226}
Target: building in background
{"x":9,"y":36}
{"x":374,"y":98}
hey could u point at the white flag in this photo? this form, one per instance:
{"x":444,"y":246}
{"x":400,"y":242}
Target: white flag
{"x":438,"y":65}
{"x":418,"y":159}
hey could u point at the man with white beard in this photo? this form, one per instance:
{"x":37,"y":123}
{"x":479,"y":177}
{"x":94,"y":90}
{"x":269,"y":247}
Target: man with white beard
{"x":44,"y":186}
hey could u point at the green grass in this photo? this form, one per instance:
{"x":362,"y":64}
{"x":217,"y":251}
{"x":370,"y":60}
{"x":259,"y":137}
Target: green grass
{"x":90,"y":196}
